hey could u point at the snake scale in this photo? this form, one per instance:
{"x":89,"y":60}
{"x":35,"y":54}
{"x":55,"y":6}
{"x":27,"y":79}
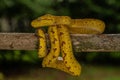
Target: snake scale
{"x":59,"y":28}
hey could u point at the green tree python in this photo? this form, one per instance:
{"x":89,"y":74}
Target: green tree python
{"x":61,"y":54}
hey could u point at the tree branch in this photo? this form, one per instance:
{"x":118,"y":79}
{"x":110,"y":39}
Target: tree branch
{"x":81,"y":42}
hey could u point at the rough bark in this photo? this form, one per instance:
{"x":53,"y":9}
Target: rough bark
{"x":81,"y":42}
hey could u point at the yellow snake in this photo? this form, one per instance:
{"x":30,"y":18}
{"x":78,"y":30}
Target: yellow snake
{"x":61,"y":54}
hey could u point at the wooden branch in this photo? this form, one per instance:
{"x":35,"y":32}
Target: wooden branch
{"x":81,"y":42}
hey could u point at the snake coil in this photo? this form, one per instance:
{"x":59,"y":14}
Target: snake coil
{"x":59,"y":28}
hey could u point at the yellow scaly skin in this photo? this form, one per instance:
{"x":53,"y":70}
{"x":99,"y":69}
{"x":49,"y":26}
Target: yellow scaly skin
{"x":86,"y":26}
{"x":69,"y":60}
{"x":52,"y":56}
{"x":59,"y":25}
{"x":42,"y":51}
{"x":69,"y":63}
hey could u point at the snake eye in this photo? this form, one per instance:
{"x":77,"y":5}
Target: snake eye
{"x":47,"y":17}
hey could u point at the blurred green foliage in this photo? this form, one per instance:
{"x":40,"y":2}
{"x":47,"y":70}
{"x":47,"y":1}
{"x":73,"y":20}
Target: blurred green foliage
{"x":23,"y":11}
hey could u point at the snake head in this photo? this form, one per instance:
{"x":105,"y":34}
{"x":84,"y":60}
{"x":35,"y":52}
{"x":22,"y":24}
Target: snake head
{"x":45,"y":20}
{"x":48,"y":20}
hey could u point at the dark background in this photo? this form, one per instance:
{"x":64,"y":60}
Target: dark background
{"x":16,"y":15}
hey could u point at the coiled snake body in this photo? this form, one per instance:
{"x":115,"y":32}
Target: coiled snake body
{"x":58,"y":30}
